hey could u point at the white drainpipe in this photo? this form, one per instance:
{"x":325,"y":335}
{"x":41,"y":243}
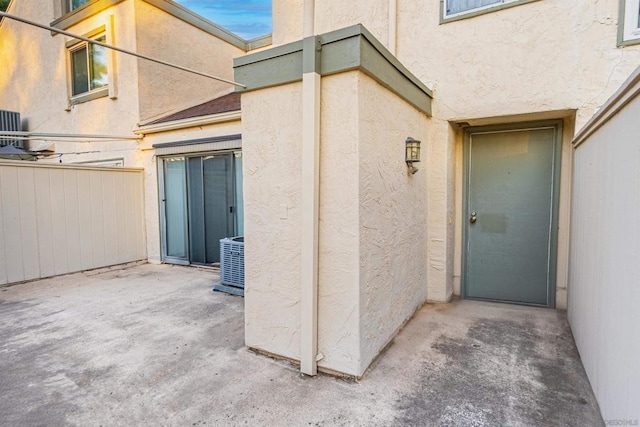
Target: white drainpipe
{"x":393,"y":26}
{"x":310,"y":201}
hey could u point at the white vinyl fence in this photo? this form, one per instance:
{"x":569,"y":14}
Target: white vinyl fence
{"x":604,"y":284}
{"x":58,"y":219}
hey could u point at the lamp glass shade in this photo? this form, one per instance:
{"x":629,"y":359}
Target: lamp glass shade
{"x":412,"y":150}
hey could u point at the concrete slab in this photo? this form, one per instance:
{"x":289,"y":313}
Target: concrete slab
{"x":153,"y":345}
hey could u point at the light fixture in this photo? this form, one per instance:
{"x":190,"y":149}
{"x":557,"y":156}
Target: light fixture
{"x":412,"y":154}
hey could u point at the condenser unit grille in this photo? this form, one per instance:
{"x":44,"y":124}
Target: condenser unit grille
{"x":232,"y":262}
{"x":10,"y":122}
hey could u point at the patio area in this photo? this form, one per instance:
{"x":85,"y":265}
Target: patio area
{"x":153,"y":345}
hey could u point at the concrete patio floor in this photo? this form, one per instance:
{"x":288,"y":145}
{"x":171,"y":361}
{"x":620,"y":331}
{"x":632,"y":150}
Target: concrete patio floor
{"x":153,"y":345}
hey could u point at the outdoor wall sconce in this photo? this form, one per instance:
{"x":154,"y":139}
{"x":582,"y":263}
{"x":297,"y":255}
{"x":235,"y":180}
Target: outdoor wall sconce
{"x":412,"y":154}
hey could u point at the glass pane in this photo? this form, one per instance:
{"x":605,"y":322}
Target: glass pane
{"x":79,"y":71}
{"x":77,"y":3}
{"x":456,"y":6}
{"x":175,"y":196}
{"x":239,"y":195}
{"x":98,"y":65}
{"x":197,"y":249}
{"x":218,"y":198}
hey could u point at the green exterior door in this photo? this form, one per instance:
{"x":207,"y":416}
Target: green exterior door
{"x":511,"y":214}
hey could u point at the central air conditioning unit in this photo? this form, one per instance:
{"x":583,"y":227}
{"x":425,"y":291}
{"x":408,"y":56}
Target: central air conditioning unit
{"x":231,"y":266}
{"x":10,"y":122}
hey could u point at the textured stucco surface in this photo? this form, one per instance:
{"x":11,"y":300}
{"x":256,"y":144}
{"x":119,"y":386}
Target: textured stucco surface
{"x":164,"y":90}
{"x":34,"y":73}
{"x":392,"y":216}
{"x":372,"y":229}
{"x":534,"y":61}
{"x":339,"y":234}
{"x":271,"y":129}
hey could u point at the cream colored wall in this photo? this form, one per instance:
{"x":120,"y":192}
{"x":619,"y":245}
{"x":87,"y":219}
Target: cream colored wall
{"x":372,"y":230}
{"x":339,"y":304}
{"x":146,"y":158}
{"x":57,"y":220}
{"x":271,"y":129}
{"x":392,"y":216}
{"x":287,"y":21}
{"x":34,"y":78}
{"x":542,"y":60}
{"x":164,"y":90}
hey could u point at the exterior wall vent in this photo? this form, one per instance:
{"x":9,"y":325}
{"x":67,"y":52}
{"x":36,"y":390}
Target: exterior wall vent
{"x":231,"y":266}
{"x":10,"y":122}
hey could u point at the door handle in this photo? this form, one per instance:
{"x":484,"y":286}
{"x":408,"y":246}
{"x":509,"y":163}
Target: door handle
{"x":474,"y":217}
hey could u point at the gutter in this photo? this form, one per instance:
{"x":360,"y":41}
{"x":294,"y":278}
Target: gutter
{"x":188,"y":122}
{"x":310,"y":189}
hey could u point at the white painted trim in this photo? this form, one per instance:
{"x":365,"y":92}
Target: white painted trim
{"x":310,"y":192}
{"x":627,"y":92}
{"x":189,"y":122}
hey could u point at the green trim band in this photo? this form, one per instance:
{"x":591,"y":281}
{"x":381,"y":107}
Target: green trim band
{"x":347,"y":49}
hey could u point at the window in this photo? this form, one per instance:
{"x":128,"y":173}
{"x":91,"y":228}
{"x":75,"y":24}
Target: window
{"x":88,"y":67}
{"x":460,"y":9}
{"x":74,"y":4}
{"x":629,"y":24}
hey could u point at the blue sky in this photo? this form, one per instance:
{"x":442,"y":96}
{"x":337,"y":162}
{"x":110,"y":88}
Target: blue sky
{"x":246,"y":18}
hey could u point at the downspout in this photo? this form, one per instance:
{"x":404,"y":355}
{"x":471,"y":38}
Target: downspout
{"x":393,"y":26}
{"x":310,"y":194}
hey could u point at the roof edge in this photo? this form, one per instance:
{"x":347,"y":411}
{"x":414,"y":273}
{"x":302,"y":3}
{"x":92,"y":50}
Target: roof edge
{"x":188,"y":122}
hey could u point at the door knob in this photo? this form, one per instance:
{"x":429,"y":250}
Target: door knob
{"x":474,"y":217}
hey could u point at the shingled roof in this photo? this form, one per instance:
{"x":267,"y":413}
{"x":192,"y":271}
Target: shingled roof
{"x":223,"y":104}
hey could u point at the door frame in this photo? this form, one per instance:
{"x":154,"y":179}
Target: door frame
{"x":557,"y":125}
{"x":161,"y":191}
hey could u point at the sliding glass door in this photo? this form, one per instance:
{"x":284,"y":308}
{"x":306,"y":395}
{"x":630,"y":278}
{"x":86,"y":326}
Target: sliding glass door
{"x":202,"y":197}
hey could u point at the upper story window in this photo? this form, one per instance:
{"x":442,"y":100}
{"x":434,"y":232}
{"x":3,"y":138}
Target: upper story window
{"x":74,"y":4}
{"x":88,"y":67}
{"x":459,"y":9}
{"x":629,"y":27}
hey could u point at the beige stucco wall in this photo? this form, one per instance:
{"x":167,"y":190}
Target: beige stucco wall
{"x":34,"y":78}
{"x":164,"y":90}
{"x":392,"y":216}
{"x":339,"y":304}
{"x":271,"y":129}
{"x":546,"y":59}
{"x":372,"y":228}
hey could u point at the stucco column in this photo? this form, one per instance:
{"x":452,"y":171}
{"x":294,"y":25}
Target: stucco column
{"x":440,"y":218}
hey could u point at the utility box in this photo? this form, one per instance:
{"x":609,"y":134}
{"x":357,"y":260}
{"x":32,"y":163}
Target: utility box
{"x":231,"y":266}
{"x":10,"y":122}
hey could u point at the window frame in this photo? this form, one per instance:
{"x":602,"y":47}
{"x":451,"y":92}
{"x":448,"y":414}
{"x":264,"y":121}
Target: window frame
{"x":628,"y":18}
{"x":86,"y":46}
{"x":504,"y":4}
{"x":109,"y":89}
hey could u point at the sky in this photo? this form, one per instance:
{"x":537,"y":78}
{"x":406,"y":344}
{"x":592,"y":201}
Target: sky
{"x":246,"y":18}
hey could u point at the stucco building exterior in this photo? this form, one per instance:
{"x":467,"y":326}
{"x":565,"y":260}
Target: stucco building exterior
{"x":343,"y":241}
